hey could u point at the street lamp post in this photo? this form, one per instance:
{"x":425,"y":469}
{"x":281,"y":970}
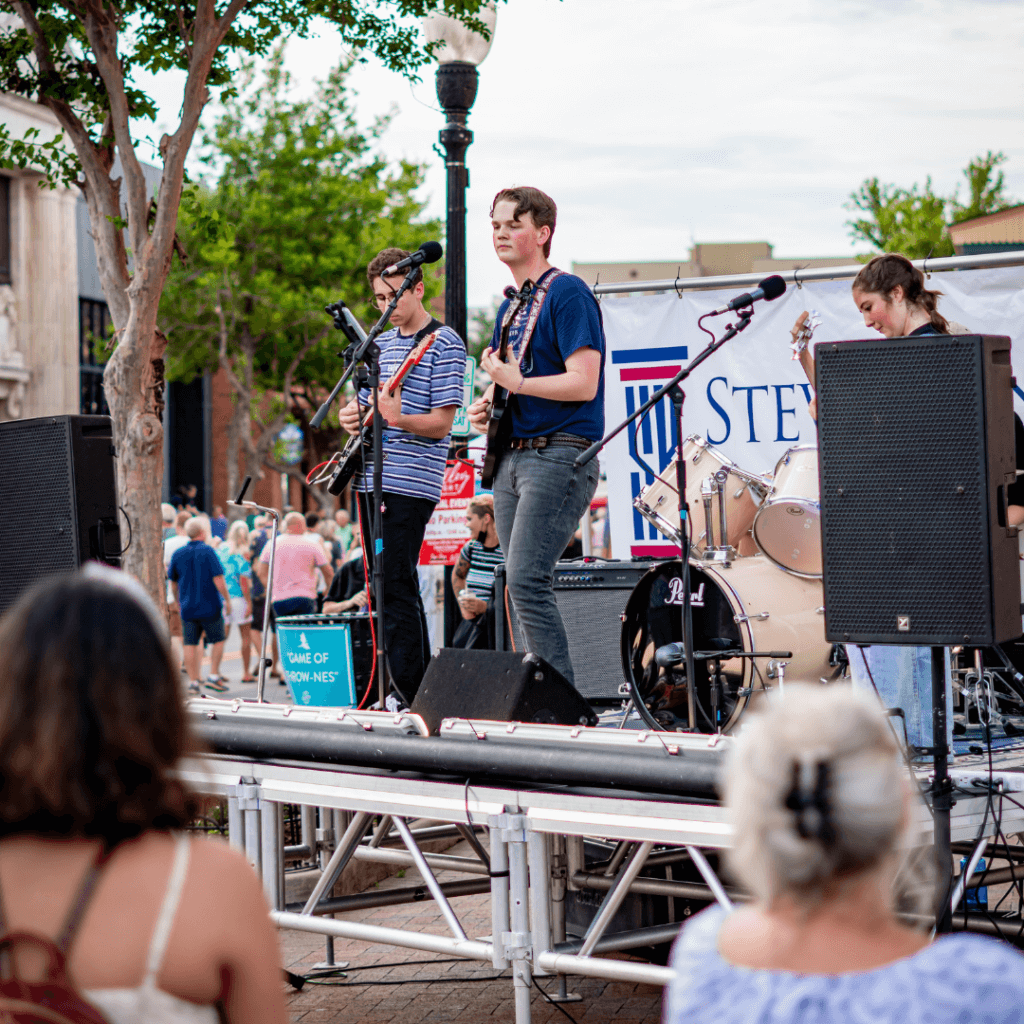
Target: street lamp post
{"x":457,"y":80}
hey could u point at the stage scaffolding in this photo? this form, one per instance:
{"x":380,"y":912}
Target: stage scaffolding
{"x":798,"y":276}
{"x":531,"y":833}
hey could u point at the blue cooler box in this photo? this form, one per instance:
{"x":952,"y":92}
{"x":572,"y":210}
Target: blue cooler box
{"x":316,"y":657}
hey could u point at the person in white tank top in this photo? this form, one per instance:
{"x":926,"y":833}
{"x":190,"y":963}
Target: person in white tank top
{"x":91,"y":816}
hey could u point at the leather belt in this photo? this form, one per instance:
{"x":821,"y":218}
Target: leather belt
{"x":517,"y":444}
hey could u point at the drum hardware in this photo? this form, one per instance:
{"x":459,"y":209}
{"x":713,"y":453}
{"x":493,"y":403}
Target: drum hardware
{"x":777,"y":670}
{"x":658,"y":502}
{"x":760,"y":617}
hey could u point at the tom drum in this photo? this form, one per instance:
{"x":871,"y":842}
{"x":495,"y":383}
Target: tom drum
{"x":787,"y":527}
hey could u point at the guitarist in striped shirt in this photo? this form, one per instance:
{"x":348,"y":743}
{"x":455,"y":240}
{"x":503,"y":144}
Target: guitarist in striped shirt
{"x":418,"y":422}
{"x":553,"y":371}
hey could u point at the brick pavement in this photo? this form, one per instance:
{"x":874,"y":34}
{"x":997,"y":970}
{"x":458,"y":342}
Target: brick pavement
{"x":463,"y":995}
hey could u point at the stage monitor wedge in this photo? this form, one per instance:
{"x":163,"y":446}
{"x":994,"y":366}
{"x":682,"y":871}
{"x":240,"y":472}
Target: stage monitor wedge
{"x":58,"y":499}
{"x":916,"y":450}
{"x":497,"y":686}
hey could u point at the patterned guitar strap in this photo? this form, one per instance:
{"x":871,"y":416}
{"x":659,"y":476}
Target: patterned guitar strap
{"x":540,"y":293}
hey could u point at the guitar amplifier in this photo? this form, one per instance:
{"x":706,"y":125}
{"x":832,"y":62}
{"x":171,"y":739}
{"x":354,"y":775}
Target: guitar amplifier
{"x":591,"y":597}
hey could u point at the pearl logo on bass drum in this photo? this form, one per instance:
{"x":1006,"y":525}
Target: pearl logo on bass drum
{"x":675,"y":593}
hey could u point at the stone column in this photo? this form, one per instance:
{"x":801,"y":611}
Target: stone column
{"x":44,"y":272}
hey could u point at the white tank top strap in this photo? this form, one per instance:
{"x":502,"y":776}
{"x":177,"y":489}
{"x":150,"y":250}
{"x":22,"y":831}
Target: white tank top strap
{"x":162,"y":931}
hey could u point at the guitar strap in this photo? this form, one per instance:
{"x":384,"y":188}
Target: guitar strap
{"x":422,"y":333}
{"x":540,"y":293}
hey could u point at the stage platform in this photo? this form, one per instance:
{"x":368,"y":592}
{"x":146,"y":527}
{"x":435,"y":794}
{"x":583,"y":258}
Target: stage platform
{"x":529,"y":796}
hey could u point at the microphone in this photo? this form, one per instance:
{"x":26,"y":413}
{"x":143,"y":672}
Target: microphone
{"x":428,"y":252}
{"x":770,"y":288}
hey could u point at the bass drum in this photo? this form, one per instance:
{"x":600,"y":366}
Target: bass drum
{"x":748,"y":606}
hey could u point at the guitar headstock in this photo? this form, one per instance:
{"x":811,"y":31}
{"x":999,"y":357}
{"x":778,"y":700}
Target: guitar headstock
{"x":806,"y":332}
{"x":516,"y":301}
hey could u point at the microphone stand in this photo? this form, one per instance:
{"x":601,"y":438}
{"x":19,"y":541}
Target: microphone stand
{"x":367,"y":355}
{"x":265,"y":662}
{"x":678,"y":396}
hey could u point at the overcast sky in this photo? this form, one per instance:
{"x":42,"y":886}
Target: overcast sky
{"x":654,"y":123}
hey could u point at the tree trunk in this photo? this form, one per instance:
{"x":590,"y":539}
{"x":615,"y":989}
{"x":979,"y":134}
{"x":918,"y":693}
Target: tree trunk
{"x":239,"y":421}
{"x":133,"y":383}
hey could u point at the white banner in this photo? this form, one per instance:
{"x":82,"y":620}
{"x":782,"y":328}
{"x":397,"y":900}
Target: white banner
{"x":750,"y":398}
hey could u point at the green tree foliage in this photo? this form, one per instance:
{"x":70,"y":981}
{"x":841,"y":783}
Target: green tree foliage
{"x":299,"y":201}
{"x":82,"y":59}
{"x":914,"y":221}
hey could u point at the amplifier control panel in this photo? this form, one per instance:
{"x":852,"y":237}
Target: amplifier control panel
{"x":606,"y":575}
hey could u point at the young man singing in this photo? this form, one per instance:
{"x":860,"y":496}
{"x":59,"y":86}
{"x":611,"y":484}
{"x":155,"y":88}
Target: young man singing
{"x":418,"y":422}
{"x":554,"y":372}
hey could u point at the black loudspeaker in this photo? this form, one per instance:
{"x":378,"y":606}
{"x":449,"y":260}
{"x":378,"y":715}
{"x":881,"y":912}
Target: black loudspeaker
{"x":591,"y":598}
{"x":497,"y":686}
{"x":916,"y":441}
{"x":58,"y":499}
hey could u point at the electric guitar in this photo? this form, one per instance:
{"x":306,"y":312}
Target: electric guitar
{"x":350,"y":458}
{"x":499,"y":426}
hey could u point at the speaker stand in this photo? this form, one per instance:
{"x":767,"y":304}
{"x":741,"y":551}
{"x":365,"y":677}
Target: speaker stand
{"x":942,"y":793}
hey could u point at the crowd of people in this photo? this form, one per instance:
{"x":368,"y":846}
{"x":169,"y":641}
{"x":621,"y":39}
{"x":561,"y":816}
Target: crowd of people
{"x":217,"y":574}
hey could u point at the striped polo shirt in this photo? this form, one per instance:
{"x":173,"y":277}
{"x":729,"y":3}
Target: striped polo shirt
{"x":482,"y":563}
{"x":414,"y":465}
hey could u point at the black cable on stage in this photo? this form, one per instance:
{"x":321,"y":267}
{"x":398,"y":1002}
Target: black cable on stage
{"x":636,"y":448}
{"x":560,"y":1009}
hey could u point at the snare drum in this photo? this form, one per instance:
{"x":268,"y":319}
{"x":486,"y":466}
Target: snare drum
{"x":658,"y":503}
{"x":749,"y":606}
{"x":787,"y":527}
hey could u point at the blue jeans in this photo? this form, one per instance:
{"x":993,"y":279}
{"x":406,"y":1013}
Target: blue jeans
{"x":903,"y":676}
{"x":539,"y":497}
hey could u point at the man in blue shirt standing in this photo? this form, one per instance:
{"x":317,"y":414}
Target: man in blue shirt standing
{"x":199,"y":591}
{"x":418,"y":422}
{"x":554,"y":373}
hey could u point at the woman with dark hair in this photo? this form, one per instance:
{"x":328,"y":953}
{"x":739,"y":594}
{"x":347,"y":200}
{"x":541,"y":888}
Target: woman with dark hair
{"x":821,"y":816}
{"x":891,"y":295}
{"x":91,"y":817}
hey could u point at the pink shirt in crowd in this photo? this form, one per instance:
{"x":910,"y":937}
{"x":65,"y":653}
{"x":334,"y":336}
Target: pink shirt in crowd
{"x":295,"y":565}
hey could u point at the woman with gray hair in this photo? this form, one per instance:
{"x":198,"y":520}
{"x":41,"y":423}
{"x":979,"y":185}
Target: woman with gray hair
{"x":820,"y":807}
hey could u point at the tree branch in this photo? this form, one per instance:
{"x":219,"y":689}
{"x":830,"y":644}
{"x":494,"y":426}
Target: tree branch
{"x":101,"y":30}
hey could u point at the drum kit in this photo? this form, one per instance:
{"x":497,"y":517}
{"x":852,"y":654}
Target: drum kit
{"x":755,"y":586}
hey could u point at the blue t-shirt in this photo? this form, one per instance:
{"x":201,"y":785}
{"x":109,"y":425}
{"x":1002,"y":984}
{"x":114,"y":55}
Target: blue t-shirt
{"x":414,"y":465}
{"x":193,"y":567}
{"x":235,"y":566}
{"x":960,"y":979}
{"x":570,"y":319}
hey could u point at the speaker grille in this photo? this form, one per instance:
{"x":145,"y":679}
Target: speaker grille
{"x":38,"y":532}
{"x":904,"y":489}
{"x":591,"y":599}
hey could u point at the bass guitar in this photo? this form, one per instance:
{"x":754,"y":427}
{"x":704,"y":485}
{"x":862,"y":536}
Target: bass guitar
{"x":499,"y":426}
{"x":349,"y":460}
